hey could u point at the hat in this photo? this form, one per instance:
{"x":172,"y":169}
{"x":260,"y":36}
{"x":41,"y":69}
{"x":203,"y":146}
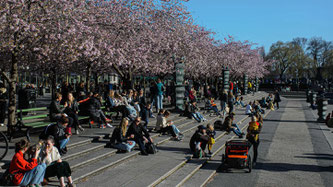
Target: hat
{"x":200,"y":127}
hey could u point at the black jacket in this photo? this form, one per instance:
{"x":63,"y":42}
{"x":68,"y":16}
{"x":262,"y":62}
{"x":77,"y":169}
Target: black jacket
{"x":55,"y":109}
{"x":94,"y":106}
{"x":197,"y":137}
{"x":117,"y":136}
{"x":138,"y":130}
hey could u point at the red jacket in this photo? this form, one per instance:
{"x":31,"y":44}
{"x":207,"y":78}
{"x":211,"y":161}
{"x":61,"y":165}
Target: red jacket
{"x":20,"y":166}
{"x":231,"y":85}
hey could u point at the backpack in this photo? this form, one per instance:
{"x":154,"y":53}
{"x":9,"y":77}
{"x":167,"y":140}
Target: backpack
{"x":218,"y":125}
{"x":7,"y":178}
{"x":43,"y":135}
{"x":151,"y":148}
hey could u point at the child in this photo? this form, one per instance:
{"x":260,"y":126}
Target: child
{"x":211,"y":133}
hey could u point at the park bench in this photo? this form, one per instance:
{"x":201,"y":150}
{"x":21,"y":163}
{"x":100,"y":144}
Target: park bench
{"x":25,"y":124}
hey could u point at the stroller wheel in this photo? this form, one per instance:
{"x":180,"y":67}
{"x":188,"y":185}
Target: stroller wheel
{"x":249,"y":164}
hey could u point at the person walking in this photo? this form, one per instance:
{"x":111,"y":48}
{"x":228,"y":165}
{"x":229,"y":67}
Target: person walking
{"x":253,"y":136}
{"x":277,"y":99}
{"x":159,"y":96}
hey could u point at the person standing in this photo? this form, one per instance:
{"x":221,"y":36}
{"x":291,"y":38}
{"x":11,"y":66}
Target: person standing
{"x":159,"y":96}
{"x":277,"y":99}
{"x":253,"y":136}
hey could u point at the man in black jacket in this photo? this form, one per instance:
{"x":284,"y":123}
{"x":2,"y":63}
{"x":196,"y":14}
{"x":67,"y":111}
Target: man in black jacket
{"x":199,"y":140}
{"x":57,"y":130}
{"x":56,"y":110}
{"x":141,"y":135}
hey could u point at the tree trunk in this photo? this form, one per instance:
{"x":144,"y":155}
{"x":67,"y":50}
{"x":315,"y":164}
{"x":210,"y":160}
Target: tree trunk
{"x":53,"y":83}
{"x":88,"y":77}
{"x":12,"y":93}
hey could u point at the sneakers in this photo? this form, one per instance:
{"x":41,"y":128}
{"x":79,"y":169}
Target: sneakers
{"x":77,"y":132}
{"x":152,"y":116}
{"x":109,"y":125}
{"x":81,"y":128}
{"x":2,"y":125}
{"x":102,"y":127}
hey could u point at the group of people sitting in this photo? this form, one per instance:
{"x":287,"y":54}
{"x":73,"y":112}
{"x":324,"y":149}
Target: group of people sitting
{"x":268,"y":103}
{"x":34,"y":165}
{"x":205,"y":135}
{"x":127,"y":135}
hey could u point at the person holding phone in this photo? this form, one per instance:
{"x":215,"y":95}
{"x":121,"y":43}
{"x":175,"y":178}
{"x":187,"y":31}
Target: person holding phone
{"x":26,"y":172}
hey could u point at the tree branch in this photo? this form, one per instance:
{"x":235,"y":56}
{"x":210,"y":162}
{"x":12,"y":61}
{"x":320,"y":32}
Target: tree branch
{"x":5,"y":75}
{"x":118,"y":70}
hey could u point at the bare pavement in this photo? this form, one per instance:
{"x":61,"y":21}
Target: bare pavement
{"x":294,"y":150}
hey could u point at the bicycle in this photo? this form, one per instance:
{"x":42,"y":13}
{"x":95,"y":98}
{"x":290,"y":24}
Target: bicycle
{"x":3,"y":145}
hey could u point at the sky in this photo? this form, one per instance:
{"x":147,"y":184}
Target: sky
{"x":265,"y":21}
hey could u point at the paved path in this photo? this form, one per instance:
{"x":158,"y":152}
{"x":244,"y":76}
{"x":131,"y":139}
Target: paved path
{"x":293,"y":152}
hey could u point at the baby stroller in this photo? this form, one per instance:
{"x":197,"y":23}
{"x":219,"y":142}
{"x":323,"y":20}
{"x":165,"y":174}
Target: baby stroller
{"x":238,"y":154}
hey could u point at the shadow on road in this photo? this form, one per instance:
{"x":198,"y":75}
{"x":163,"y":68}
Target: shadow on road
{"x":285,"y":167}
{"x":290,"y":121}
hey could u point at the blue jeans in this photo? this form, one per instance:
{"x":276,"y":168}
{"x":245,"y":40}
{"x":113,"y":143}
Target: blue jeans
{"x":159,"y":102}
{"x":236,"y":130}
{"x":223,"y":105}
{"x":197,"y":116}
{"x":126,"y":146}
{"x":214,"y":108}
{"x":175,"y":129}
{"x":34,"y":176}
{"x":63,"y":143}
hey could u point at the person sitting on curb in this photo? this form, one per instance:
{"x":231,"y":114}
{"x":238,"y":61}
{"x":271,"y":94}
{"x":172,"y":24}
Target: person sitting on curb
{"x":198,"y":142}
{"x":195,"y":112}
{"x":228,"y":125}
{"x":140,"y":135}
{"x":50,"y":156}
{"x":119,"y":140}
{"x":213,"y":106}
{"x":165,"y":126}
{"x":249,"y":110}
{"x":26,"y":172}
{"x":57,"y":130}
{"x":239,"y":101}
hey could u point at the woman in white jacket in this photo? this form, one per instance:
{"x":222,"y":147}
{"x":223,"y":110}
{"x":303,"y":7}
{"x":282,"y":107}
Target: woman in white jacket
{"x":55,"y":166}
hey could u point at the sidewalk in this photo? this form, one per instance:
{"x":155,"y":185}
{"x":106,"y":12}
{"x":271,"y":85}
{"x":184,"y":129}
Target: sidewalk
{"x":293,"y":151}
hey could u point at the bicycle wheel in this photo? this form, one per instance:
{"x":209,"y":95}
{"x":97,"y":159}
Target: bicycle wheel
{"x":3,"y":145}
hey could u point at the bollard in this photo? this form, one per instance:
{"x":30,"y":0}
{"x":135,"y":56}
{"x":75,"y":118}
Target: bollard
{"x":225,"y":73}
{"x":313,"y":97}
{"x":322,"y":108}
{"x":308,"y":95}
{"x":245,"y":84}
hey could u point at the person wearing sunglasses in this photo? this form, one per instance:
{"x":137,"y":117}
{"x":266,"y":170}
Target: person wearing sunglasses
{"x":139,"y":134}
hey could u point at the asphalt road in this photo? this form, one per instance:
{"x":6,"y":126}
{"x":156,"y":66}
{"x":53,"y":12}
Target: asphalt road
{"x":293,"y":151}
